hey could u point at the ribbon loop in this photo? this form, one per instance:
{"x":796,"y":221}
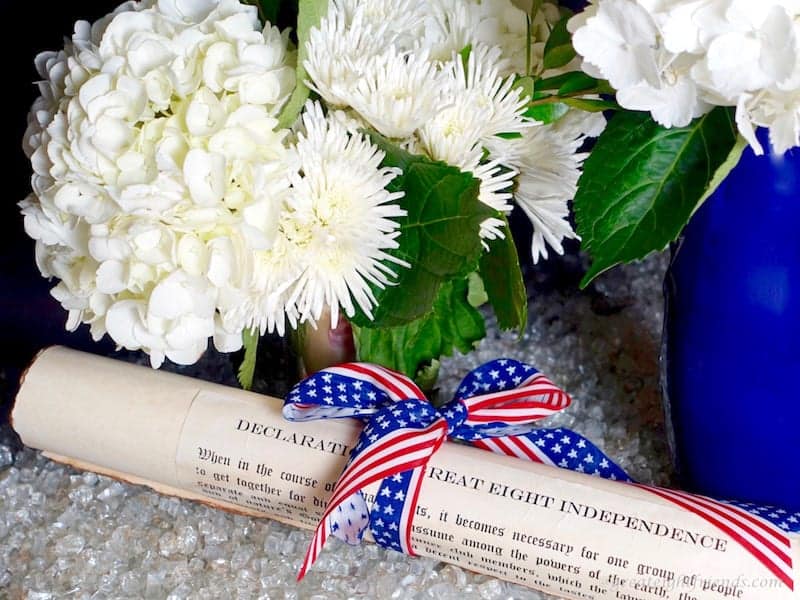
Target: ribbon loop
{"x":504,"y":397}
{"x":348,"y":390}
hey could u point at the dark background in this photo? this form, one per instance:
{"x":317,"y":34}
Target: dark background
{"x":29,"y":318}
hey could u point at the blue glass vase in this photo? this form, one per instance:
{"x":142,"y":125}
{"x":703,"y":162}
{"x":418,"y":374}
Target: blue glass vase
{"x":732,"y":337}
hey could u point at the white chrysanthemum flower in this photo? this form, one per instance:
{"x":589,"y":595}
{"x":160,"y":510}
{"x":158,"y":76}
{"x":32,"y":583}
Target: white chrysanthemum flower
{"x":158,"y":171}
{"x":505,"y":25}
{"x":400,"y":22}
{"x":338,"y":50}
{"x":495,"y":191}
{"x":548,"y":177}
{"x":398,"y":92}
{"x":454,"y":136}
{"x":340,"y":220}
{"x":450,"y":26}
{"x":497,"y":106}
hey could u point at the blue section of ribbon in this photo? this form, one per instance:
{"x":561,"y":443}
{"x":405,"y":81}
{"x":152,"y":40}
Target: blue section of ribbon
{"x":334,"y":396}
{"x":499,"y":375}
{"x":785,"y":520}
{"x":387,"y":512}
{"x":572,"y":451}
{"x":494,"y":376}
{"x":344,"y":393}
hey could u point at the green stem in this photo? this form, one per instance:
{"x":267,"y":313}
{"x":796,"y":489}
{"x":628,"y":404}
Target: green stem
{"x":529,"y":33}
{"x":554,"y":99}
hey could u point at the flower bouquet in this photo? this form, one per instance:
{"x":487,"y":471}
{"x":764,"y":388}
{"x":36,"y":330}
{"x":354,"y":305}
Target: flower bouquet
{"x":200,"y":172}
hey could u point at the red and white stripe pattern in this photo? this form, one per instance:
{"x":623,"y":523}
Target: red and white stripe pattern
{"x":515,"y":445}
{"x":400,"y":450}
{"x":536,"y":398}
{"x":766,"y":542}
{"x":396,"y":385}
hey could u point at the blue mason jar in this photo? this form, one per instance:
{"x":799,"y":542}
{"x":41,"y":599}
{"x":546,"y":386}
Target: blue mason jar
{"x":732,"y":337}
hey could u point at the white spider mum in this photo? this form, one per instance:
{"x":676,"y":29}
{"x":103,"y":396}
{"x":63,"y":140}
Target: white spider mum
{"x":338,"y":50}
{"x":498,"y":106}
{"x":495,"y":191}
{"x":400,"y":21}
{"x":454,"y":136}
{"x":548,"y":178}
{"x":339,"y":220}
{"x":450,"y":26}
{"x":398,"y":92}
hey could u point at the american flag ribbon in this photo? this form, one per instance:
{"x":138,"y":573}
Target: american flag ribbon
{"x":498,"y":401}
{"x":494,"y":409}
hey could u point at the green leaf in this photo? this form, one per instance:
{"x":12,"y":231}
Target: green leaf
{"x":502,"y":278}
{"x":526,"y":84}
{"x":548,"y":112}
{"x":642,"y":182}
{"x":529,"y":40}
{"x":557,"y":81}
{"x":577,"y":82}
{"x":591,"y":104}
{"x":464,"y":54}
{"x":310,"y":13}
{"x":724,"y":170}
{"x":574,"y":81}
{"x":248,"y":367}
{"x":438,"y":237}
{"x":427,"y":376}
{"x":452,"y":324}
{"x":558,"y":50}
{"x":476,"y":291}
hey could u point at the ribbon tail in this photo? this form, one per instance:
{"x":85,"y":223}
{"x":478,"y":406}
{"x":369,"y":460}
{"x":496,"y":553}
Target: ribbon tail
{"x":314,"y":548}
{"x":389,"y":455}
{"x":394,"y":510}
{"x":350,"y":520}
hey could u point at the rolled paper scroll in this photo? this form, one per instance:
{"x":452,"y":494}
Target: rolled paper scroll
{"x":566,"y":533}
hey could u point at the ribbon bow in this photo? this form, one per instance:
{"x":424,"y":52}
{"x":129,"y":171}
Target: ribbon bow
{"x":493,"y":409}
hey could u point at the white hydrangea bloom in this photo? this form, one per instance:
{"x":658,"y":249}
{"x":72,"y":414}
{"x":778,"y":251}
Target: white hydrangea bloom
{"x":678,"y":59}
{"x":158,"y":170}
{"x":622,"y":42}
